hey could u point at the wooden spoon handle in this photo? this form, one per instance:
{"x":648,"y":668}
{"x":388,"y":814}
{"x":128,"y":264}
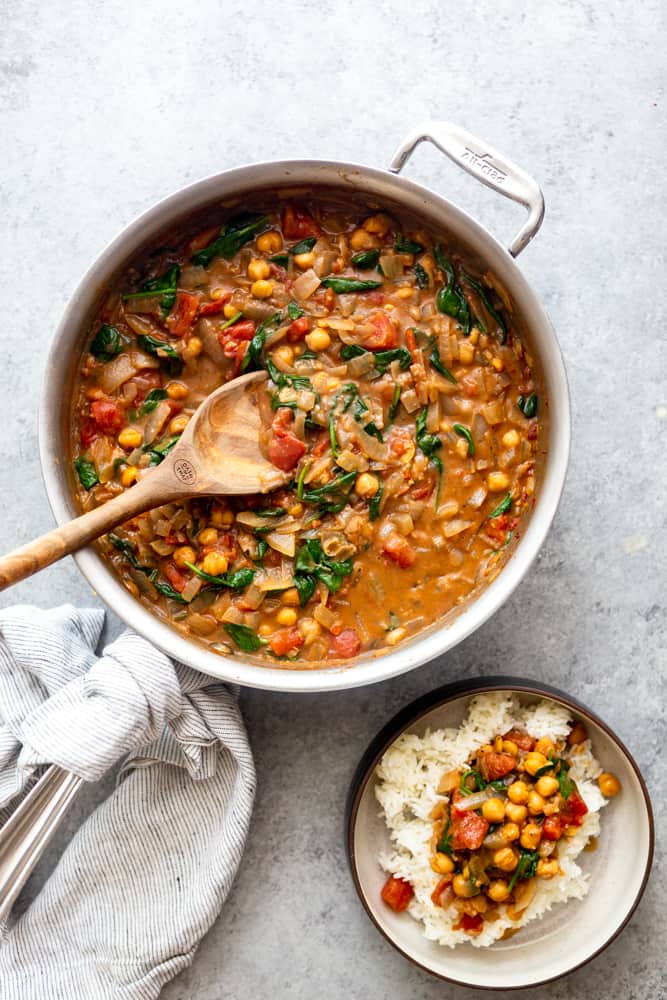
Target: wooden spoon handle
{"x":160,"y":487}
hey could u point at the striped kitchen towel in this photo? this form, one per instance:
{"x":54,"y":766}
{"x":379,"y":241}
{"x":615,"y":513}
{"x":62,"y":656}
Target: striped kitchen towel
{"x":146,"y":875}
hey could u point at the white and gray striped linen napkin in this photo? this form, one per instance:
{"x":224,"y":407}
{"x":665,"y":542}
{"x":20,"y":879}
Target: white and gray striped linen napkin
{"x":147,"y":873}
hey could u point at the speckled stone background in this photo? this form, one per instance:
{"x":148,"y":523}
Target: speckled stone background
{"x":109,"y":106}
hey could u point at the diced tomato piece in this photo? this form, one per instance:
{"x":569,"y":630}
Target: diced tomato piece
{"x":399,"y":550}
{"x":297,"y":224}
{"x":384,"y":336}
{"x":523,"y":740}
{"x":216,"y":306}
{"x":235,"y":338}
{"x":574,"y":810}
{"x":108,"y":414}
{"x":320,"y":446}
{"x":469,"y":387}
{"x":202,"y":239}
{"x":182,"y":316}
{"x":286,"y":640}
{"x":410,"y":341}
{"x":376,"y":298}
{"x":285,"y":448}
{"x":472,"y":923}
{"x":492,"y":765}
{"x":397,"y":893}
{"x":443,"y":885}
{"x":531,"y":434}
{"x":552,"y":828}
{"x":298,"y":329}
{"x":347,"y":643}
{"x":88,"y":433}
{"x":468,"y":830}
{"x":175,"y":577}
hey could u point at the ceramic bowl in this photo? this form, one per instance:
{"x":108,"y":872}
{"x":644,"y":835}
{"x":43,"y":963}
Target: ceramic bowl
{"x":570,"y":934}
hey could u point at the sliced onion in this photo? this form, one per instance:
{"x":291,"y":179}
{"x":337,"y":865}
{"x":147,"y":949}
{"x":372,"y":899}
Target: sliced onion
{"x":476,"y":499}
{"x":456,"y":527}
{"x":449,"y":781}
{"x":494,"y":412}
{"x":161,"y":547}
{"x":252,"y":520}
{"x":140,"y":325}
{"x":433,"y":417}
{"x":276,"y":578}
{"x":346,"y":304}
{"x":377,"y":450}
{"x":192,"y":588}
{"x":324,"y":616}
{"x":358,"y":367}
{"x":350,"y":460}
{"x":339,"y":324}
{"x":324,"y":262}
{"x":409,"y":400}
{"x":305,"y":399}
{"x":496,"y":840}
{"x":306,"y":284}
{"x":282,"y":542}
{"x":253,"y":596}
{"x":156,"y":421}
{"x":102,"y":454}
{"x":392,"y":265}
{"x":475,"y":800}
{"x":299,"y":425}
{"x":524,"y":893}
{"x":116,"y":372}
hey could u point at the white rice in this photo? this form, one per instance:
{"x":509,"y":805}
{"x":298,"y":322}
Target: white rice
{"x":406,"y":788}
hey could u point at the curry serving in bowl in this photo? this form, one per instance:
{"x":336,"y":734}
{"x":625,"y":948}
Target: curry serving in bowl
{"x":400,"y":400}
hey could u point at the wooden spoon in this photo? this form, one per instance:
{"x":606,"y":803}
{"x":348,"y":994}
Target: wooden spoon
{"x":218,"y":453}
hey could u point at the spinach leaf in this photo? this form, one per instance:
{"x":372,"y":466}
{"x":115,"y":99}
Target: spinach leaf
{"x":374,"y":503}
{"x":491,"y":310}
{"x":166,"y":589}
{"x":343,"y":285}
{"x":450,"y":299}
{"x":253,"y":356}
{"x":434,"y":358}
{"x":162,"y":350}
{"x":526,"y":867}
{"x":528,"y":405}
{"x":230,"y":322}
{"x":107,"y":343}
{"x":302,"y":479}
{"x":293,"y":310}
{"x":407,"y":246}
{"x":565,"y":784}
{"x":262,"y":549}
{"x":128,"y":550}
{"x":271,"y":512}
{"x":445,"y":842}
{"x":333,"y":496}
{"x":421,"y":276}
{"x":366,"y":260}
{"x":86,"y":472}
{"x":283,"y":379}
{"x":502,"y":507}
{"x":307,"y":356}
{"x":239,"y":580}
{"x":312,"y":561}
{"x":430,"y":444}
{"x":384,"y":358}
{"x":233,"y":235}
{"x":244,"y":637}
{"x":465,"y":433}
{"x":281,"y":259}
{"x":395,"y":400}
{"x":305,"y":584}
{"x":164,"y":287}
{"x":480,"y":784}
{"x":305,"y":246}
{"x":152,"y":399}
{"x":349,"y":351}
{"x":162,"y":448}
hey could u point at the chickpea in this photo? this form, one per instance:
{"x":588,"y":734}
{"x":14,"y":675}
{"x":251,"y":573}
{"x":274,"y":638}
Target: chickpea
{"x":296,"y":510}
{"x":366,"y":485}
{"x":310,"y":630}
{"x":258,"y":268}
{"x":284,"y":353}
{"x":270,"y":242}
{"x":442,"y":864}
{"x":547,"y":869}
{"x":286,"y":616}
{"x":497,"y":364}
{"x":530,"y":836}
{"x":192,"y":349}
{"x":511,"y":831}
{"x":178,"y":424}
{"x":534,"y":762}
{"x":217,"y":294}
{"x":377,"y":224}
{"x":176,"y":390}
{"x":405,"y":293}
{"x":185,"y":554}
{"x":318,"y":340}
{"x":129,"y":438}
{"x":222,"y":518}
{"x":497,"y":481}
{"x":129,"y":476}
{"x":262,"y":289}
{"x":493,"y":810}
{"x":361,"y":239}
{"x":516,"y":813}
{"x":265,"y":629}
{"x":506,"y":859}
{"x":229,"y":311}
{"x":518,"y":792}
{"x":535,"y":803}
{"x":577,"y":734}
{"x":207,"y":536}
{"x":498,"y":890}
{"x":291,"y":597}
{"x":466,"y":353}
{"x":511,"y":438}
{"x":545,"y":746}
{"x":462,"y":887}
{"x":609,"y":784}
{"x":509,"y":746}
{"x":214,"y":563}
{"x":551,"y":806}
{"x":546,"y":785}
{"x":304,"y":260}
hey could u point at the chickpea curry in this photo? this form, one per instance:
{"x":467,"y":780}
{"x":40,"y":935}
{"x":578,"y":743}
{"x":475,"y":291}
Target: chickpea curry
{"x":400,"y":399}
{"x":497,"y":827}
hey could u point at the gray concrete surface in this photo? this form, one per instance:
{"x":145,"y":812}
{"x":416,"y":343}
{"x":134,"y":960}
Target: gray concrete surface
{"x":107,"y":107}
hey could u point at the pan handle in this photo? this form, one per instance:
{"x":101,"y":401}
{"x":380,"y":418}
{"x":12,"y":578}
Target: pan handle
{"x":484,"y":163}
